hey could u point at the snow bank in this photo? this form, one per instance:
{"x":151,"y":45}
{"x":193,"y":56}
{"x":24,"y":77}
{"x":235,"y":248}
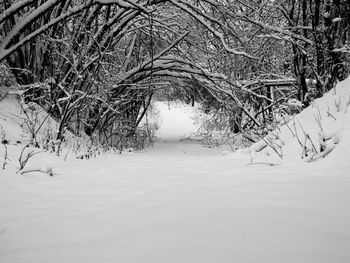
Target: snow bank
{"x":18,"y":120}
{"x":19,"y":124}
{"x":11,"y":118}
{"x":313,"y":134}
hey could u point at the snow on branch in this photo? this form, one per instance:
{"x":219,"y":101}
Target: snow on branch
{"x":27,"y":20}
{"x":272,"y":82}
{"x":14,"y":8}
{"x":279,"y":30}
{"x":5,"y":51}
{"x":219,"y":35}
{"x":148,"y":62}
{"x":124,"y":4}
{"x":5,"y":47}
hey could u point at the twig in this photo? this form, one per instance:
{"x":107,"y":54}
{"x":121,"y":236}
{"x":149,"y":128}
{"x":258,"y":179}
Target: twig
{"x":319,"y":113}
{"x":313,"y":145}
{"x":337,"y":104}
{"x":308,"y":137}
{"x":318,"y":119}
{"x":49,"y":171}
{"x":262,"y":163}
{"x":322,"y":154}
{"x":273,"y":148}
{"x":296,"y":133}
{"x":5,"y":157}
{"x":330,"y":115}
{"x":286,"y":123}
{"x":23,"y":161}
{"x":65,"y":157}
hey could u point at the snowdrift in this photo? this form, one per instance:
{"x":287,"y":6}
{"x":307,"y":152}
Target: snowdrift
{"x":320,"y":130}
{"x":22,"y":128}
{"x":18,"y":121}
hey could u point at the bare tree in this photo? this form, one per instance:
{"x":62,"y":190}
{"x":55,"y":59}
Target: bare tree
{"x":96,"y":63}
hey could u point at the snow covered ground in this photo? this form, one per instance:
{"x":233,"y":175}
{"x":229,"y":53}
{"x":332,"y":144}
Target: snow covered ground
{"x":182,"y":202}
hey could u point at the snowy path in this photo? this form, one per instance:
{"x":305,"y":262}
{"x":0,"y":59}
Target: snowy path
{"x":176,"y":202}
{"x":177,"y":124}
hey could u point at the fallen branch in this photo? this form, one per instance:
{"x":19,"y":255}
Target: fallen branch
{"x":48,"y":171}
{"x":330,"y":147}
{"x":330,"y":115}
{"x":262,"y":163}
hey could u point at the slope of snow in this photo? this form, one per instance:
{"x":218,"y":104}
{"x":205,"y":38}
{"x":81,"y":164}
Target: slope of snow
{"x":327,"y":117}
{"x":10,"y":118}
{"x":16,"y":125}
{"x":182,"y":202}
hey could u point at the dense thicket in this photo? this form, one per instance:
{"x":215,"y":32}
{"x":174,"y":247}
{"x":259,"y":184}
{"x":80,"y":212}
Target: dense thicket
{"x":94,"y":65}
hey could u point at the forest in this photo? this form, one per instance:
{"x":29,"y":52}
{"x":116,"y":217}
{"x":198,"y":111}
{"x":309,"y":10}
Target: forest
{"x":95,"y":65}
